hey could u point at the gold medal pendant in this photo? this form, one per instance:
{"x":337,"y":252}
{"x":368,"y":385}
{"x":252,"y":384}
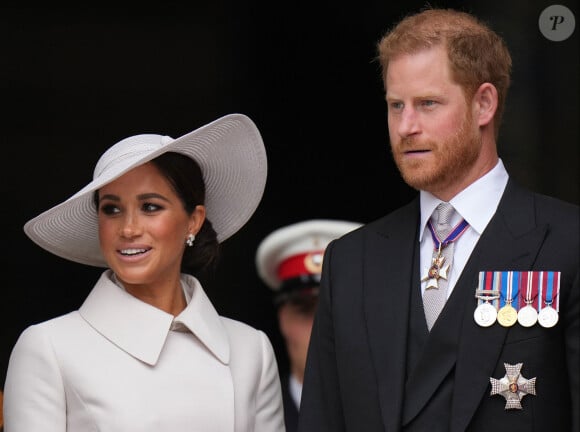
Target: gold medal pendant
{"x":507,"y":316}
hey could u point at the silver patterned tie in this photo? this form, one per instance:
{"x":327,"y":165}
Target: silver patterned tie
{"x":435,"y":294}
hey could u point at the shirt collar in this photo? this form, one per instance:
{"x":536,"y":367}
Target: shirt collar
{"x":476,"y":204}
{"x":141,"y":329}
{"x":295,"y":389}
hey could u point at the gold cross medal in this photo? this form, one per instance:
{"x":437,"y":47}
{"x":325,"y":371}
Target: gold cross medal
{"x":438,"y":270}
{"x":513,"y":386}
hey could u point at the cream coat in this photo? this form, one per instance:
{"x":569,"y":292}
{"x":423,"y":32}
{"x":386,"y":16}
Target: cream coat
{"x":116,"y":365}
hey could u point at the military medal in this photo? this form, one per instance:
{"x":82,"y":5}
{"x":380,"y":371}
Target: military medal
{"x":528,"y":315}
{"x":513,"y":386}
{"x":507,"y":315}
{"x":485,"y":313}
{"x":439,"y":268}
{"x":548,"y":315}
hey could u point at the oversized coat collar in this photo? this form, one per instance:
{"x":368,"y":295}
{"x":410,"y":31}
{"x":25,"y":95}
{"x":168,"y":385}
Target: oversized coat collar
{"x":141,"y":329}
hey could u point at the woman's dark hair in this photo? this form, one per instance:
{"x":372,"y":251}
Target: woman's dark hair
{"x":184,"y":174}
{"x":186,"y":178}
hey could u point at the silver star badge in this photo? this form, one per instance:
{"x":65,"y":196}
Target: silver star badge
{"x":513,"y":386}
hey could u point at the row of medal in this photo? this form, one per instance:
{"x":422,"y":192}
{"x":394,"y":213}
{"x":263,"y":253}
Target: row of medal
{"x":511,"y":297}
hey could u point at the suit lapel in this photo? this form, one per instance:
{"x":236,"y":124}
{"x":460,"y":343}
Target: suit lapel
{"x":389,"y":263}
{"x":510,"y":242}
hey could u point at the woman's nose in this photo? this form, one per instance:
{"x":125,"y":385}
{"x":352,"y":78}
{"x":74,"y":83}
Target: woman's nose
{"x":130,"y":226}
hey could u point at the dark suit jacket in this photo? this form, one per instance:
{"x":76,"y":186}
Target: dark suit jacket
{"x":357,"y":377}
{"x":290,"y":408}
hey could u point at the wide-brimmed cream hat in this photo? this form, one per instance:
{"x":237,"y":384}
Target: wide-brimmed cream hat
{"x":232,"y":157}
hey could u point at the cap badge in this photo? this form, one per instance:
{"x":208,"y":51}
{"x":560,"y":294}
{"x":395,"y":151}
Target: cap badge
{"x":313,"y":262}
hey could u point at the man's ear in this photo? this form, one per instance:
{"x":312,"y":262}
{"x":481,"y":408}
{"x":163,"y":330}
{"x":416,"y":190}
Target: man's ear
{"x":485,"y":103}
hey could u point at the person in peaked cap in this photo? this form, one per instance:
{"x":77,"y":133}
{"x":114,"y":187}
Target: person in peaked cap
{"x":289,"y":261}
{"x":147,"y":351}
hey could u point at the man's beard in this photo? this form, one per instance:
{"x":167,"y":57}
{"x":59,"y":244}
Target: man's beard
{"x":453,"y":158}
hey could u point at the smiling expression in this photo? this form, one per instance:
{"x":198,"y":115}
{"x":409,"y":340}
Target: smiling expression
{"x":142,"y":228}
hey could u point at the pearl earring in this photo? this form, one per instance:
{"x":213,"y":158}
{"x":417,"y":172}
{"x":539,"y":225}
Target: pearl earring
{"x":190,"y":239}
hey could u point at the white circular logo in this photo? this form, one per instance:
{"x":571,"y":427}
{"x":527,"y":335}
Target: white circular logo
{"x":557,"y":23}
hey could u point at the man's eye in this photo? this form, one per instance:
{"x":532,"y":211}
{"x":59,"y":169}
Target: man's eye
{"x":396,"y":105}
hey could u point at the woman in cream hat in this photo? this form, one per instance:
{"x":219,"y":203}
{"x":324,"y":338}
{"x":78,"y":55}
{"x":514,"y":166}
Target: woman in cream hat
{"x":147,"y":351}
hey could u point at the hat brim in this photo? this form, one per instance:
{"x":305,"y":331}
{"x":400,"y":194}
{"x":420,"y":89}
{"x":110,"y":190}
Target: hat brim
{"x":232,"y":157}
{"x":296,"y":238}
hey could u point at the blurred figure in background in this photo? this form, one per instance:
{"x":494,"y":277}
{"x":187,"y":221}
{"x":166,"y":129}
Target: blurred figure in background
{"x":289,"y":261}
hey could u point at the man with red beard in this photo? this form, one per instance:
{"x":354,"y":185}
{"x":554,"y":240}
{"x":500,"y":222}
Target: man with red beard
{"x":459,"y":311}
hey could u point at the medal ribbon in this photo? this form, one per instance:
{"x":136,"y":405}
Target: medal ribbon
{"x":550,"y":289}
{"x":453,"y":235}
{"x":529,"y":296}
{"x":488,"y":294}
{"x":488,"y":281}
{"x":509,"y":288}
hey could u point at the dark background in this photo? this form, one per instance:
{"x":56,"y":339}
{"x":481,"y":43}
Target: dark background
{"x":75,"y":81}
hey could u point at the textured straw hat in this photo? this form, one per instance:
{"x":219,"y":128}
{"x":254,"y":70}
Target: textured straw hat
{"x":291,"y":256}
{"x":232,"y":158}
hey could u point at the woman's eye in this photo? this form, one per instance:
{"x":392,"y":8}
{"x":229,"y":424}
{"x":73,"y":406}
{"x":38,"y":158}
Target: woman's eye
{"x":150,"y":207}
{"x":109,"y":209}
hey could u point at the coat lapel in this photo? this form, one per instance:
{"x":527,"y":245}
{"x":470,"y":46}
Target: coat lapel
{"x":389,"y":261}
{"x":141,"y":329}
{"x":132,"y":325}
{"x":510,"y":242}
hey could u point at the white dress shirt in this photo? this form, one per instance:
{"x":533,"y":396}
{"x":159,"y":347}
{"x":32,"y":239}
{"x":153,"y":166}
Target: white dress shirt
{"x":476,"y":204}
{"x":295,"y":389}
